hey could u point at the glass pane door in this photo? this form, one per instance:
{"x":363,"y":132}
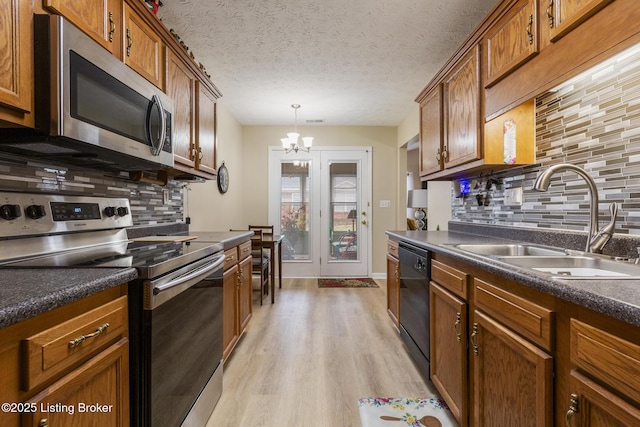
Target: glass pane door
{"x":294,"y":207}
{"x":343,"y":207}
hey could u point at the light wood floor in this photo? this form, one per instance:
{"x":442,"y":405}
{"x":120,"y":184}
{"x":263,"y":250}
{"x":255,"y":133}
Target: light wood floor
{"x":307,"y":359}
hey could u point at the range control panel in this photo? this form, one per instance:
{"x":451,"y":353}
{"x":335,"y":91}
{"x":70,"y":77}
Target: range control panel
{"x":24,"y":214}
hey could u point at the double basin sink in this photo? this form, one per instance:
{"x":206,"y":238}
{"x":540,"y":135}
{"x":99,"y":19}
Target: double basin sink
{"x":559,"y":263}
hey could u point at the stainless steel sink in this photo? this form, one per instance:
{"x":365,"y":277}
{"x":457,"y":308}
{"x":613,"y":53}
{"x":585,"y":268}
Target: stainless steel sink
{"x":500,"y":249}
{"x":576,"y":266}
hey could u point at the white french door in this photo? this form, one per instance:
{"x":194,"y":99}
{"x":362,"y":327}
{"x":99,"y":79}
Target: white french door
{"x":320,"y":202}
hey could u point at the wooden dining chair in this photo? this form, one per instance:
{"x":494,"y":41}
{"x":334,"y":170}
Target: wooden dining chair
{"x":260,"y":261}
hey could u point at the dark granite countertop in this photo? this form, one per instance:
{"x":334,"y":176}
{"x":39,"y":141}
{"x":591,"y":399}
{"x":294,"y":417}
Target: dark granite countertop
{"x":619,"y":299}
{"x":28,"y":292}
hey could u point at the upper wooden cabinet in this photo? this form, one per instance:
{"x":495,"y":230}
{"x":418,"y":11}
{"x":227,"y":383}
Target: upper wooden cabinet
{"x":511,"y":41}
{"x":463,"y":140}
{"x":564,"y":15}
{"x":181,"y":88}
{"x":101,"y":20}
{"x":16,"y":59}
{"x":205,"y":129}
{"x":431,"y":132}
{"x":142,"y":48}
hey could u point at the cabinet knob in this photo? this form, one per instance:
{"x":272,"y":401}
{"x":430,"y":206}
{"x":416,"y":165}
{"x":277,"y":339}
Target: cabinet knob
{"x":44,"y":422}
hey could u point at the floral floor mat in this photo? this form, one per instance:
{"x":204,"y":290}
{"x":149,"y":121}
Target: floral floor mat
{"x":405,"y":411}
{"x":347,"y":283}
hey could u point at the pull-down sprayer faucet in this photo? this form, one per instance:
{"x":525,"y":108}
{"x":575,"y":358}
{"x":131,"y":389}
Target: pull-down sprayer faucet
{"x":596,"y":239}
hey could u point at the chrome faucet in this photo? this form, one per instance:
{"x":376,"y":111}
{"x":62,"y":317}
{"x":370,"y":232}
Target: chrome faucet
{"x":596,"y":239}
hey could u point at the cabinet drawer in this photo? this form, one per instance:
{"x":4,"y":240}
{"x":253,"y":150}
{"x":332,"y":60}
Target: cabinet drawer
{"x":231,"y":257}
{"x":392,"y":248}
{"x":606,"y":357}
{"x":68,"y":344}
{"x":450,"y":278}
{"x":530,"y":320}
{"x":244,"y":250}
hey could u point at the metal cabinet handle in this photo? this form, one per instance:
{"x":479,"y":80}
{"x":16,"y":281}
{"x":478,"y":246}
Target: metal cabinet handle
{"x":474,"y":339}
{"x":438,"y":156}
{"x":445,"y":154}
{"x":550,"y":14}
{"x":456,"y":326}
{"x":529,"y":28}
{"x":129,"y":42}
{"x":44,"y":422}
{"x":397,"y":274}
{"x":112,"y":26}
{"x":573,"y":409}
{"x":200,"y":155}
{"x":76,"y":342}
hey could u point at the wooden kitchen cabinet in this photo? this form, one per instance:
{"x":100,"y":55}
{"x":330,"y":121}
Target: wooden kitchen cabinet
{"x":511,"y":41}
{"x":39,"y":367}
{"x":237,"y":295}
{"x":205,"y":143}
{"x":393,"y":283}
{"x":463,"y":141}
{"x":431,"y":132}
{"x":180,"y":85}
{"x":101,"y":20}
{"x":143,"y":48}
{"x":16,"y":62}
{"x":449,"y":353}
{"x":565,"y":15}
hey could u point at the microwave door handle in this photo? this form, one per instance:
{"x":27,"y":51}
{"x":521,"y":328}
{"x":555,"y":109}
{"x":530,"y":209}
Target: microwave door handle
{"x":155,"y":149}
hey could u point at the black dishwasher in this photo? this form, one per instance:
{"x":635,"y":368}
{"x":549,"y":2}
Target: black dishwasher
{"x":415,"y":272}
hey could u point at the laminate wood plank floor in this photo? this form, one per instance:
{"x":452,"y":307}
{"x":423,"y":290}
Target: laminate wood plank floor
{"x":308,"y":358}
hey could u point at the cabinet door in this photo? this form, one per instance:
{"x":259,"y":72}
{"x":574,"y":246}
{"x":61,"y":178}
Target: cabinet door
{"x":449,"y":360}
{"x":592,"y":405}
{"x":229,"y":304}
{"x":16,"y":52}
{"x":511,"y":42}
{"x":181,"y":89}
{"x":100,"y":19}
{"x":102,"y":381}
{"x":564,"y":15}
{"x":431,"y":137}
{"x":463,"y":139}
{"x":513,"y":379}
{"x":143,"y":48}
{"x":206,"y":130}
{"x":244,"y":294}
{"x":393,"y":290}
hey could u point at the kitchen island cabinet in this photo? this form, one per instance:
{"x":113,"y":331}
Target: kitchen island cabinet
{"x":73,"y":355}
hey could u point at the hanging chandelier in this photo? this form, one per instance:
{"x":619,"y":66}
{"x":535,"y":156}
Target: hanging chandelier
{"x":290,"y":143}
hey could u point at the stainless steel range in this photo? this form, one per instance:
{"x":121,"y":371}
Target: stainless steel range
{"x":175,"y":307}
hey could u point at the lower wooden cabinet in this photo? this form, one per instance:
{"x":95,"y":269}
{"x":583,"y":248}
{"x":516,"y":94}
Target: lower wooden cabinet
{"x":97,"y":394}
{"x":237,"y":295}
{"x":66,"y":368}
{"x":393,"y":283}
{"x":512,"y":378}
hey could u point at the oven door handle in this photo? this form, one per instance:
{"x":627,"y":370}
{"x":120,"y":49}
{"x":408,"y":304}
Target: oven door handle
{"x":184,"y":281}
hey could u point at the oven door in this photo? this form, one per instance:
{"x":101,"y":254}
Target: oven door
{"x":178,"y":346}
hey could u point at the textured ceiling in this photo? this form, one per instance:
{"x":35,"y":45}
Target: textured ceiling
{"x":347,"y":62}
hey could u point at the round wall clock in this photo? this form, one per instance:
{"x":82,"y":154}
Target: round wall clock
{"x":223,"y":178}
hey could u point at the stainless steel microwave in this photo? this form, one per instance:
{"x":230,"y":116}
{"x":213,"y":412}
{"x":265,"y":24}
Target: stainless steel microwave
{"x":91,"y":109}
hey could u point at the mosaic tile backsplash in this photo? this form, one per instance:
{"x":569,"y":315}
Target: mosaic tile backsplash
{"x":147,"y":203}
{"x":593,"y":122}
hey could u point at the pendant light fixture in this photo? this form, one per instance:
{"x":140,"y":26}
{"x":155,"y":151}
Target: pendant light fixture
{"x":290,"y":143}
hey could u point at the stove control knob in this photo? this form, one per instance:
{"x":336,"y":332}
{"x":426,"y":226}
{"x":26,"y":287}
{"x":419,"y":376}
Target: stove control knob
{"x":109,"y":211}
{"x":123,"y":211}
{"x":10,"y":212}
{"x":35,"y":211}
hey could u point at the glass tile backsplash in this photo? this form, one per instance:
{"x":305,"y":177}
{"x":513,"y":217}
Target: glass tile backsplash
{"x":147,"y":202}
{"x":593,"y":121}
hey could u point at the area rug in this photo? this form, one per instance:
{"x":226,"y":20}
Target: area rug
{"x":405,"y":411}
{"x":347,"y":283}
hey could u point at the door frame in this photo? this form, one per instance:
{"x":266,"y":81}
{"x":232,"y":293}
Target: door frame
{"x":312,"y":267}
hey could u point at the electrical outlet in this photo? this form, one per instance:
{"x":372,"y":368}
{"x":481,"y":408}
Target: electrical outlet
{"x":165,"y":197}
{"x":385,"y":203}
{"x":513,"y":196}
